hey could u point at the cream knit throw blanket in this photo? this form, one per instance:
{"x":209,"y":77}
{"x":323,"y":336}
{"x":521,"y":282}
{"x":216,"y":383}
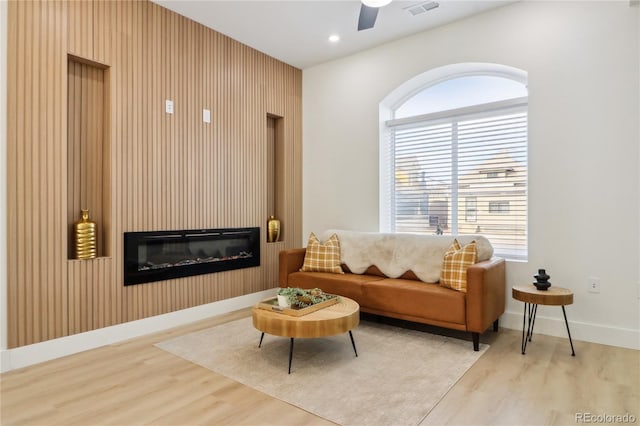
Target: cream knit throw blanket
{"x":395,"y":254}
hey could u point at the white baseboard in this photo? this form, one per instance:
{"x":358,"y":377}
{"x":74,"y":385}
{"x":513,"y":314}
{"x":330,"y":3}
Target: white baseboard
{"x":588,"y":332}
{"x":24,"y":356}
{"x":11,"y":359}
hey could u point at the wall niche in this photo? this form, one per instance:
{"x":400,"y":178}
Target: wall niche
{"x":275,"y":169}
{"x":88,"y":153}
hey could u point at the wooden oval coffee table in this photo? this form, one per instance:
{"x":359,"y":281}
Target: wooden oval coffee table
{"x":339,"y":318}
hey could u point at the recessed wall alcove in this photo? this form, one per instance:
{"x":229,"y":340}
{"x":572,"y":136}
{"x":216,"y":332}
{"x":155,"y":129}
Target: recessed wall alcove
{"x":88,"y":153}
{"x":275,"y":169}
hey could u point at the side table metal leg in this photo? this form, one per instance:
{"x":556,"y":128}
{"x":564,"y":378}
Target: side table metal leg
{"x":290,"y":354}
{"x":524,"y":322}
{"x":573,"y":353}
{"x":261,"y":337}
{"x":529,"y":318}
{"x":532,"y":321}
{"x":353,"y":343}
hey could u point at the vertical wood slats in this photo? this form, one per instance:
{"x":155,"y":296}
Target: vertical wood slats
{"x":36,"y":193}
{"x":161,"y":171}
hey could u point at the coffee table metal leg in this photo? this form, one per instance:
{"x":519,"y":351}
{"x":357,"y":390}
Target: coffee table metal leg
{"x":290,"y":354}
{"x":573,"y":353}
{"x":261,"y":337}
{"x":353,"y":343}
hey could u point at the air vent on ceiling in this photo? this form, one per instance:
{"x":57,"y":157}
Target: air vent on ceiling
{"x":418,"y":9}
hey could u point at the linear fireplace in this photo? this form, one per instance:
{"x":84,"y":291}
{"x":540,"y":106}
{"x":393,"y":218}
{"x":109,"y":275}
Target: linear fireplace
{"x":162,"y":255}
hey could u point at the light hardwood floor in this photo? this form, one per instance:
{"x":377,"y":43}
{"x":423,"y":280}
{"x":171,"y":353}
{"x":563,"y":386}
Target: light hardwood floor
{"x":135,"y":383}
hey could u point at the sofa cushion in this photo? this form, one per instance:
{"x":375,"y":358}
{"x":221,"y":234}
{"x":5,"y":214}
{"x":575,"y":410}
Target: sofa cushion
{"x":455,"y":264}
{"x":322,"y":257}
{"x":348,"y":285}
{"x":395,"y":254}
{"x":398,"y":297}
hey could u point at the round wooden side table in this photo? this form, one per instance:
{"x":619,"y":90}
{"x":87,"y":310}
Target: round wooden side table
{"x":330,"y":321}
{"x":532,"y":297}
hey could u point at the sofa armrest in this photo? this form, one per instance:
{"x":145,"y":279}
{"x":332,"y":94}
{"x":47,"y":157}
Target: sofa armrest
{"x":486,"y":289}
{"x":290,"y":260}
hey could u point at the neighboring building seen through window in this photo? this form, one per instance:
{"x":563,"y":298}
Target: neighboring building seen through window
{"x":458,"y":162}
{"x":471,"y":209}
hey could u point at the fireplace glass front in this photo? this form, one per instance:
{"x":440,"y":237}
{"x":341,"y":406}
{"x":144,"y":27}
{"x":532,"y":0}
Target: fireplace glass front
{"x":163,"y":255}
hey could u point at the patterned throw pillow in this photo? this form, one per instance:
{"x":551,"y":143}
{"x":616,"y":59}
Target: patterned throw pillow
{"x":456,"y":262}
{"x":322,"y":257}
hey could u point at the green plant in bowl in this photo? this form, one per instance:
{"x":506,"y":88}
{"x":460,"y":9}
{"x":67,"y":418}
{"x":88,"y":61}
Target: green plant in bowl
{"x":289,"y":294}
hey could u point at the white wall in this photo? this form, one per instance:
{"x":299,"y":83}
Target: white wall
{"x":583,"y":65}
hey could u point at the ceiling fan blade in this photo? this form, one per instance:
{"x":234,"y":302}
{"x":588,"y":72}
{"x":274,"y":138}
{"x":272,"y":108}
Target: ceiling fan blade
{"x":367,"y":18}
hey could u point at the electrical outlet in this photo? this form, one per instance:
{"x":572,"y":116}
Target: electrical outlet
{"x":168,"y":106}
{"x":594,"y":284}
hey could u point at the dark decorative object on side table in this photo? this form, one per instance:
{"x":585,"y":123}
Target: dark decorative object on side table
{"x":542,"y":280}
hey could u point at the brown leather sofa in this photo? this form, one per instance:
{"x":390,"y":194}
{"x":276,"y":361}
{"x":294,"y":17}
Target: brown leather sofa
{"x":408,"y":298}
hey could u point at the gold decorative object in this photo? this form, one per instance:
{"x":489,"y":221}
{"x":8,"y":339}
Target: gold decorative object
{"x":273,"y":229}
{"x":85,"y":234}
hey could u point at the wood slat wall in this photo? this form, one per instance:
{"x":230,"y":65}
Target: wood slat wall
{"x":163,"y":171}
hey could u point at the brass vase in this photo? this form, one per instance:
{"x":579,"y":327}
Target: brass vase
{"x":273,"y":229}
{"x":84,"y":232}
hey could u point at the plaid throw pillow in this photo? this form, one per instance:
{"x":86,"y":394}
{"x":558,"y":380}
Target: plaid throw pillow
{"x":456,"y":262}
{"x":322,"y":257}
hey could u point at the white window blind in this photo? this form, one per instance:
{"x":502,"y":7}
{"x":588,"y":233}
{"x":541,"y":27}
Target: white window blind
{"x":462,"y":171}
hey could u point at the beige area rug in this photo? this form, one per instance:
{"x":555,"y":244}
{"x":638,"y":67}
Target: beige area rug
{"x":397,"y":378}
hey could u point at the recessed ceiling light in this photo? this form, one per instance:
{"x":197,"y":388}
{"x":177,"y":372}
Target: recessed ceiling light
{"x":376,"y":3}
{"x":334,"y":38}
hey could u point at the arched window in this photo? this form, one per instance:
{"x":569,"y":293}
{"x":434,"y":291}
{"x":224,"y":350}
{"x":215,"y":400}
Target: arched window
{"x":454,"y":156}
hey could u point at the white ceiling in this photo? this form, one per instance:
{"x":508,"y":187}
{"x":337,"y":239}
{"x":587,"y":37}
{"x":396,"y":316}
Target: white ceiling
{"x":297,"y":31}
